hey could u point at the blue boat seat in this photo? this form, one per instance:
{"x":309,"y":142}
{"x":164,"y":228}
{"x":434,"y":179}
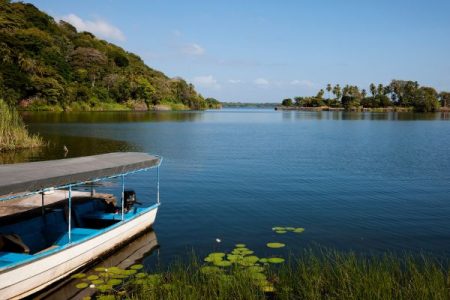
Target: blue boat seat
{"x":7,"y":258}
{"x":76,"y":234}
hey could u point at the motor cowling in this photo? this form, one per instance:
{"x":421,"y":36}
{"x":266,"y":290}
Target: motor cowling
{"x":129,"y":199}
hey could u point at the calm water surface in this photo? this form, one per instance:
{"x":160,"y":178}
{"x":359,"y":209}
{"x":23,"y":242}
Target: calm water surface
{"x":361,"y":181}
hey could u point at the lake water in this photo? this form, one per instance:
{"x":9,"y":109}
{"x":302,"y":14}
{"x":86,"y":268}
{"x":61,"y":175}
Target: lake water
{"x":369,"y":182}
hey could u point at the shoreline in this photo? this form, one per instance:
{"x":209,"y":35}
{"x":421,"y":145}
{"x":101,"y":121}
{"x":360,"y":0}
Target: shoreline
{"x":326,"y":108}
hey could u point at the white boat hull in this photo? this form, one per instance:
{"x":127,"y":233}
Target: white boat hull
{"x":24,"y":280}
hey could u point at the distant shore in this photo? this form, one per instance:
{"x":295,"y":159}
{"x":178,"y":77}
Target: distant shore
{"x":379,"y":109}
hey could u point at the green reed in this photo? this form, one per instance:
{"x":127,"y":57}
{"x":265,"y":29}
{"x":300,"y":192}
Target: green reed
{"x":13,"y":133}
{"x":324,"y":274}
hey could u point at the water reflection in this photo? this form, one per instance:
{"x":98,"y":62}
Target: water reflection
{"x":364,"y":116}
{"x":77,"y":146}
{"x":111,"y":117}
{"x":134,"y":252}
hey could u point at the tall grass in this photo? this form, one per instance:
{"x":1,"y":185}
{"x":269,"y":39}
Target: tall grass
{"x":13,"y":134}
{"x":311,"y":275}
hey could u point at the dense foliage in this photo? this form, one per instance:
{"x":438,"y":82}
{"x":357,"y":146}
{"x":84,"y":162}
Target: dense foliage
{"x":399,"y":93}
{"x":46,"y":64}
{"x":13,"y":134}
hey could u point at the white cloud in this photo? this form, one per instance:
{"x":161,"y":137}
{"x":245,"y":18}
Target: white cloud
{"x":97,"y":27}
{"x":234,"y":81}
{"x":261,"y":82}
{"x":305,"y":83}
{"x":206,"y":81}
{"x":193,"y":49}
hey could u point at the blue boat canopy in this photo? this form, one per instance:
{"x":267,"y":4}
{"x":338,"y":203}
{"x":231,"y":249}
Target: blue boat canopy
{"x":37,"y":176}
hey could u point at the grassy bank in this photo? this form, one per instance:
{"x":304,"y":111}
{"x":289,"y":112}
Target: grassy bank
{"x":13,"y":134}
{"x":311,"y":275}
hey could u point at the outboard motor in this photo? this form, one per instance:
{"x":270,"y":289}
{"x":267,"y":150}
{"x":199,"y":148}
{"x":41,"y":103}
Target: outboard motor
{"x":130,"y":199}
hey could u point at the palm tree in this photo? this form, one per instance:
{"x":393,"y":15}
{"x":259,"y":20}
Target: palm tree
{"x":329,"y":89}
{"x":364,"y":93}
{"x":337,"y":92}
{"x":373,"y":89}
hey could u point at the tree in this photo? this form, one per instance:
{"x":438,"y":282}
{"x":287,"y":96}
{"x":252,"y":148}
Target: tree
{"x":287,"y":102}
{"x":373,"y":89}
{"x":445,"y":99}
{"x":329,"y":88}
{"x":425,"y":100}
{"x":363,"y":93}
{"x":320,"y":94}
{"x":337,"y":92}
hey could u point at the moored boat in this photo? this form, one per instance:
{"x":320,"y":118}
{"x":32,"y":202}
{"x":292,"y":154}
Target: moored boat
{"x":41,"y":244}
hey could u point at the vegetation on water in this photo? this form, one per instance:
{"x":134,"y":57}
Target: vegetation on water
{"x":399,"y":94}
{"x":312,"y":274}
{"x":48,"y":65}
{"x":13,"y":134}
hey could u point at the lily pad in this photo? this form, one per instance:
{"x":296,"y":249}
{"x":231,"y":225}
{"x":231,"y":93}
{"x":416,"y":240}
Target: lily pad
{"x":250,"y":260}
{"x":140,"y":275}
{"x":101,"y":269}
{"x":222,"y":263}
{"x":247,"y":252}
{"x":115,"y":270}
{"x":263,"y":260}
{"x":114,"y":282}
{"x":207,"y":270}
{"x":92,"y":277}
{"x":275,"y":260}
{"x":78,"y":276}
{"x":299,"y":230}
{"x":82,"y":285}
{"x":233,"y":257}
{"x":97,"y":282}
{"x":289,"y":228}
{"x":104,"y":288}
{"x":136,"y":267}
{"x":275,"y":245}
{"x":240,"y":245}
{"x":278,"y":228}
{"x":217,"y":254}
{"x":258,"y":276}
{"x":130,"y":272}
{"x":281,"y":231}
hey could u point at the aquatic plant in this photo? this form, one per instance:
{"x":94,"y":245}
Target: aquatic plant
{"x":108,"y":280}
{"x":13,"y":133}
{"x":275,"y":245}
{"x":282,"y":230}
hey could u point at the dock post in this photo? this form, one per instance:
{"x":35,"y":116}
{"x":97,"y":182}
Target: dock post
{"x":123,"y":195}
{"x":70,"y":214}
{"x":157,"y":185}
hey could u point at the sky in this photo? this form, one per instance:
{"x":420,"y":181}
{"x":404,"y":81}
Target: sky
{"x":267,"y":50}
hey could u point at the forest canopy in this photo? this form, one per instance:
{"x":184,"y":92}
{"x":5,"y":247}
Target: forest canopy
{"x":405,"y":94}
{"x":45,"y":64}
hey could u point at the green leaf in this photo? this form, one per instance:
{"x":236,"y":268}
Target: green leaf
{"x":275,"y":260}
{"x":275,"y":245}
{"x":208,"y":270}
{"x":222,"y":263}
{"x":281,"y":231}
{"x":114,"y":282}
{"x":136,"y":267}
{"x":299,"y":230}
{"x":82,"y":285}
{"x":92,"y":277}
{"x":78,"y":276}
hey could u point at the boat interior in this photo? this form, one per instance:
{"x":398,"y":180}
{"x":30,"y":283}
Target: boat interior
{"x":41,"y":230}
